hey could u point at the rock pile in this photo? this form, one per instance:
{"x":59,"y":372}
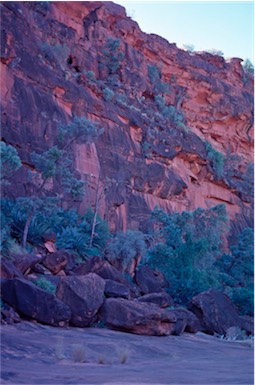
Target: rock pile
{"x":96,"y":293}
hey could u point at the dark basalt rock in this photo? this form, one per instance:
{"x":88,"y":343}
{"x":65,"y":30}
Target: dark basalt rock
{"x":84,"y":295}
{"x":215,"y":312}
{"x":31,"y":301}
{"x":136,"y":317}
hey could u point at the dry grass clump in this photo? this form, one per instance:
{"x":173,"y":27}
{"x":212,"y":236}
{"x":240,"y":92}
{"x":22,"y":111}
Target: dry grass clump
{"x":79,"y":354}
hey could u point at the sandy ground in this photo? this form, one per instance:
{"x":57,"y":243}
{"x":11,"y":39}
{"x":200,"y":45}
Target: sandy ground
{"x":38,"y":354}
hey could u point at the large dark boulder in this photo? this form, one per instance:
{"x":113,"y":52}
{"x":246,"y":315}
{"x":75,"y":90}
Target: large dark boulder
{"x":186,"y":321}
{"x":136,"y":317}
{"x":149,"y":280}
{"x":9,"y":270}
{"x":55,"y":262}
{"x":215,"y":312}
{"x":116,"y":289}
{"x":24,"y":263}
{"x":105,"y":270}
{"x":31,"y":301}
{"x":161,"y":299}
{"x":84,"y":295}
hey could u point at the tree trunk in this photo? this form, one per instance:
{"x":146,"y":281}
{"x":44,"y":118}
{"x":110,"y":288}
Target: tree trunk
{"x":95,"y":214}
{"x":26,"y":228}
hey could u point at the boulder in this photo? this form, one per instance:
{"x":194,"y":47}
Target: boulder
{"x":116,"y":289}
{"x":215,"y":312}
{"x":136,"y":317}
{"x":161,"y":299}
{"x":29,"y":300}
{"x":25,"y":262}
{"x":55,"y":262}
{"x":105,"y":270}
{"x":149,"y":280}
{"x":186,"y":321}
{"x":9,"y":315}
{"x":84,"y":295}
{"x":247,"y":324}
{"x":9,"y":270}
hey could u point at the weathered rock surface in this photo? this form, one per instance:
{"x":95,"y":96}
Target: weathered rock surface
{"x":56,"y":262}
{"x":105,"y":270}
{"x":24,"y":263}
{"x":161,"y":299}
{"x":32,"y":353}
{"x":84,"y":295}
{"x":9,"y":270}
{"x":186,"y":321}
{"x":149,"y":280}
{"x":136,"y":317}
{"x":116,"y":289}
{"x":147,"y":157}
{"x":215,"y":312}
{"x":29,"y":300}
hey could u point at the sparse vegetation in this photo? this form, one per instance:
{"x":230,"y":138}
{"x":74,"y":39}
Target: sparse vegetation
{"x":79,"y":354}
{"x":216,"y":159}
{"x":112,"y":56}
{"x":45,"y":284}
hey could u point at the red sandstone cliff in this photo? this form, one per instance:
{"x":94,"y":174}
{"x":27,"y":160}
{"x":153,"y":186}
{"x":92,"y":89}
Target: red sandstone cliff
{"x":145,"y":159}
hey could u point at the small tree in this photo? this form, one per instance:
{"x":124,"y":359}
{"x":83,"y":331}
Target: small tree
{"x":126,"y":249}
{"x":187,"y":247}
{"x":57,"y":164}
{"x":10,"y":162}
{"x":112,"y":56}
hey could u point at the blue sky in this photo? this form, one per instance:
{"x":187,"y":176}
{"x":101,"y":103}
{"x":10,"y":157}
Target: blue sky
{"x":227,"y":26}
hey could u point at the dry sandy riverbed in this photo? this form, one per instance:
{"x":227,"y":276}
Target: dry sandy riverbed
{"x":38,"y":354}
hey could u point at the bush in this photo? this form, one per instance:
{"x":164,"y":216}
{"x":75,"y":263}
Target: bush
{"x":238,"y":272}
{"x":112,"y":56}
{"x":125,"y":248}
{"x":216,"y":159}
{"x":46,"y":285}
{"x":9,"y":162}
{"x":108,"y":94}
{"x":187,"y":246}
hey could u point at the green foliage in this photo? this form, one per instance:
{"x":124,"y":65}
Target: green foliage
{"x":169,"y":112}
{"x":216,"y":159}
{"x":47,"y":162}
{"x":125,"y":247}
{"x":108,"y":94}
{"x":10,"y":162}
{"x":46,"y":285}
{"x":75,"y":237}
{"x":112,"y":56}
{"x":248,"y":67}
{"x":238,"y":272}
{"x":187,"y":245}
{"x":72,"y":230}
{"x":79,"y":130}
{"x":155,"y":78}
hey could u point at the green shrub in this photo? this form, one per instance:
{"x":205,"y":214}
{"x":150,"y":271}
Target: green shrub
{"x":9,"y":162}
{"x":108,"y":94}
{"x":124,"y":248}
{"x":216,"y":159}
{"x":186,"y":247}
{"x":46,"y":285}
{"x":112,"y":56}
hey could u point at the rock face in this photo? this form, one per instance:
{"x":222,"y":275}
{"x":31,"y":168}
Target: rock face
{"x":186,"y":321}
{"x":105,"y":270}
{"x":148,"y":155}
{"x":149,"y":280}
{"x":84,"y":295}
{"x":215,"y":312}
{"x":33,"y":302}
{"x":56,"y":262}
{"x":161,"y":299}
{"x":136,"y":317}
